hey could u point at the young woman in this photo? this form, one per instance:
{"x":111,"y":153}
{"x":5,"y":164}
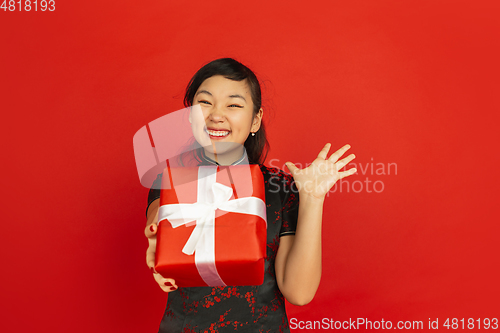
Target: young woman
{"x":230,"y":98}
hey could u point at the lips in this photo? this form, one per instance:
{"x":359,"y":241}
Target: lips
{"x":217,"y":133}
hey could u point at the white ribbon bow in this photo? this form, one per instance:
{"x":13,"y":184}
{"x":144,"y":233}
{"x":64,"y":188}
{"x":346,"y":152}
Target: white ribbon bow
{"x":211,"y":196}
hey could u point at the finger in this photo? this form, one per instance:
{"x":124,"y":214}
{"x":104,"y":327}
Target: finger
{"x":324,"y":152}
{"x":152,"y":269}
{"x":169,"y":289}
{"x":151,"y":230}
{"x":335,"y":156}
{"x":293,"y":169}
{"x":347,"y":173}
{"x":343,"y":162}
{"x":166,"y":284}
{"x":150,"y":260}
{"x":151,"y":254}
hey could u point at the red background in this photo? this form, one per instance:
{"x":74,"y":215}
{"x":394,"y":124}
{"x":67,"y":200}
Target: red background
{"x":411,"y":83}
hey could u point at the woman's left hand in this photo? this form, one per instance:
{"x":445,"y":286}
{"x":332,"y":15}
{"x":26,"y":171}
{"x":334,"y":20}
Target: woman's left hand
{"x":318,"y":178}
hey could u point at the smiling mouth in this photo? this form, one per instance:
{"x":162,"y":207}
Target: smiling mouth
{"x":217,"y":134}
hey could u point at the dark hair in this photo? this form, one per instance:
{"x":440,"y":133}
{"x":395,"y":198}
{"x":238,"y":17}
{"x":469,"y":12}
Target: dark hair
{"x":256,"y":146}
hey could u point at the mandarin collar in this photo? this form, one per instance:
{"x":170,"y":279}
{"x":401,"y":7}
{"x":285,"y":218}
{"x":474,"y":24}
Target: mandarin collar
{"x":242,"y":160}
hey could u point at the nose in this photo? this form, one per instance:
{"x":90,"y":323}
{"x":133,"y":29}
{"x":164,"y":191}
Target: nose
{"x":216,"y":114}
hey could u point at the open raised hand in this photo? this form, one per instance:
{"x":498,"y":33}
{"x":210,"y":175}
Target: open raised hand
{"x":319,"y":177}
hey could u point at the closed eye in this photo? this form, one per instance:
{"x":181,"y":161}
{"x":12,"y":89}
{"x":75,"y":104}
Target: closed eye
{"x":231,"y":106}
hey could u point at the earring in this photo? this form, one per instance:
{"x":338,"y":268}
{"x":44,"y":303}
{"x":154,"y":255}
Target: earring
{"x":253,"y":134}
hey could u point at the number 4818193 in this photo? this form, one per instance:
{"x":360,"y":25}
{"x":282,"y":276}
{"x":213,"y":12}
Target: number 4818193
{"x":27,"y":5}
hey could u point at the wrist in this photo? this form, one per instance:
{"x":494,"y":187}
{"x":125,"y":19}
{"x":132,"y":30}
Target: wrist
{"x":305,"y":196}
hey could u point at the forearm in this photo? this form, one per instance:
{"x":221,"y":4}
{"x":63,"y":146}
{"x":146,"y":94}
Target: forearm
{"x":302,"y":272}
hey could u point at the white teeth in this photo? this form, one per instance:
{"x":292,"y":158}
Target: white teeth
{"x":218,"y":133}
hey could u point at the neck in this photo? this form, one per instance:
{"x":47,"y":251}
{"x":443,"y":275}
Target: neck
{"x":225,"y":160}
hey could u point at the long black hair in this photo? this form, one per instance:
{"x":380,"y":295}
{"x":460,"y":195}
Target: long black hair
{"x":256,"y":146}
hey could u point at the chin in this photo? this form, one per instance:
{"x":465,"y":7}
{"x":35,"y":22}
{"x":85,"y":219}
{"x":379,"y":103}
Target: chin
{"x":225,"y":145}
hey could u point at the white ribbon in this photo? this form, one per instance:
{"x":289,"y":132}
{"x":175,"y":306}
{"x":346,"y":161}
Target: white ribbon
{"x":211,"y":196}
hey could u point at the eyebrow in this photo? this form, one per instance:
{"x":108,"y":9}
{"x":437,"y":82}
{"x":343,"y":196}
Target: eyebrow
{"x":230,"y":96}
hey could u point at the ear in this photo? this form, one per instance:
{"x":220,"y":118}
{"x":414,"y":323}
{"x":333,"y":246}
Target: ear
{"x":257,"y":120}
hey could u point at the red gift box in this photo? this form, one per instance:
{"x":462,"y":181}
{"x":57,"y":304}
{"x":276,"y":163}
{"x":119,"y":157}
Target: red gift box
{"x":212,"y":226}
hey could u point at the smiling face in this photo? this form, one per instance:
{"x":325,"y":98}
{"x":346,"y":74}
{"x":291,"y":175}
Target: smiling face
{"x":226,"y":118}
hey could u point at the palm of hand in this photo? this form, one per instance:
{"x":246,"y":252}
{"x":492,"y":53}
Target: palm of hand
{"x":319,"y":177}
